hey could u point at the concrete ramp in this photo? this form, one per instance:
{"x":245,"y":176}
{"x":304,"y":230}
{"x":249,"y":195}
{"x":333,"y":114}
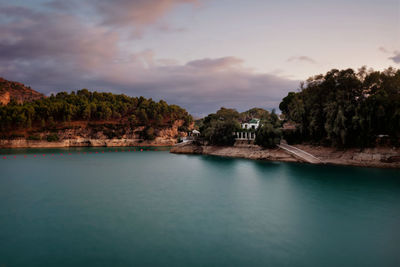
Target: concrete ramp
{"x":186,"y":142}
{"x":300,"y":154}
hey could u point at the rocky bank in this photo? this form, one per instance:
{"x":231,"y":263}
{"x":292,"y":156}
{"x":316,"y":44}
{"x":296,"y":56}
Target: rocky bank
{"x":249,"y":152}
{"x":83,"y":142}
{"x":383,"y":157}
{"x":96,"y":135}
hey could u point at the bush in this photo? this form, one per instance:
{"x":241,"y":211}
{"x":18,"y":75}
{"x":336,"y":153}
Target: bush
{"x":268,"y":136}
{"x":183,"y":129}
{"x":35,"y":137}
{"x":293,"y":137}
{"x":52,"y":138}
{"x":149,"y":134}
{"x":16,"y":136}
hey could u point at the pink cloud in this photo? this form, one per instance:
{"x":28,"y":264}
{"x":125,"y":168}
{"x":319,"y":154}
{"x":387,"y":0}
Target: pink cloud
{"x":301,"y":59}
{"x":135,"y":13}
{"x":224,"y":63}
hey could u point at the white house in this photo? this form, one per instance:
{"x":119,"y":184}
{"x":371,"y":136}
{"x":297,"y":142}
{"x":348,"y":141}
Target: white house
{"x":252,"y":124}
{"x":195,"y":133}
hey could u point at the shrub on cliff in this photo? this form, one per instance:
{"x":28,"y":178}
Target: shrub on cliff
{"x":34,"y":137}
{"x":52,"y":138}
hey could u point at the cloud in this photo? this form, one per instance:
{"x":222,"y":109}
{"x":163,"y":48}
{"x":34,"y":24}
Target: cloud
{"x":132,"y":16}
{"x":301,"y":59}
{"x":60,"y":37}
{"x":219,"y":64}
{"x":58,"y":51}
{"x":134,"y":12}
{"x":199,"y":90}
{"x":383,"y":49}
{"x":395,"y":55}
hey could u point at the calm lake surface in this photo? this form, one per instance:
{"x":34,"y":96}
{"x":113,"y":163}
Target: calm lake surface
{"x":153,"y":208}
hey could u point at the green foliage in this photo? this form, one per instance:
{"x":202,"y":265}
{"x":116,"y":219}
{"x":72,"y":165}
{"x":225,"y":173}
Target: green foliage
{"x":149,"y":134}
{"x":269,"y":134}
{"x":284,"y":105}
{"x":347,"y":108}
{"x":52,"y":138}
{"x":35,"y":137}
{"x":183,"y":128}
{"x":90,"y":106}
{"x":13,"y":136}
{"x":218,"y":128}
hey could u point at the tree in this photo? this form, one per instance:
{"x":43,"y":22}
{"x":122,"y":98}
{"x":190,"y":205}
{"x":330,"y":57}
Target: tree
{"x":268,"y":136}
{"x":347,"y":108}
{"x":218,"y":128}
{"x":284,"y":105}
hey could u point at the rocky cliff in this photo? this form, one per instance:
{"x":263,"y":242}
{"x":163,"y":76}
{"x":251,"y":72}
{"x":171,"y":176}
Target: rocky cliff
{"x":82,"y":134}
{"x":10,"y":90}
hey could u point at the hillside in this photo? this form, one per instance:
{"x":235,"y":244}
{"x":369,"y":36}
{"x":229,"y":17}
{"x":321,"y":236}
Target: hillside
{"x":92,"y":118}
{"x":16,"y":91}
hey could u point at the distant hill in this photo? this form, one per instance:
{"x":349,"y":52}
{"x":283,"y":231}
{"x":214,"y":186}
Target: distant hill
{"x":85,"y":115}
{"x":10,"y":90}
{"x":254,"y":113}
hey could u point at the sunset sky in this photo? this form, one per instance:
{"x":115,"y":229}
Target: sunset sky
{"x":200,"y":54}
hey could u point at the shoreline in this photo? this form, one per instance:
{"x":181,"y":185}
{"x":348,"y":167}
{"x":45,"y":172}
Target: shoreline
{"x":383,"y":157}
{"x":372,"y":157}
{"x":85,"y":142}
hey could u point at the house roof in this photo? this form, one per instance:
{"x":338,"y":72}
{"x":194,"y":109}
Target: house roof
{"x":254,"y":121}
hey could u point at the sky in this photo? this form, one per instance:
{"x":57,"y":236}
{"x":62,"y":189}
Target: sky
{"x":199,"y":54}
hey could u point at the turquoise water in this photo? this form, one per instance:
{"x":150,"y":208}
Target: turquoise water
{"x":153,"y":208}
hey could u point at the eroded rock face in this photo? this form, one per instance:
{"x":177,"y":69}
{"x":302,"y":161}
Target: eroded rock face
{"x":83,"y":142}
{"x":91,"y":136}
{"x":5,"y":98}
{"x":392,"y":159}
{"x":10,"y":90}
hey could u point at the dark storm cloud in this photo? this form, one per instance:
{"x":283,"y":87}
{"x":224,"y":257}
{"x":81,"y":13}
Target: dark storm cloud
{"x":53,"y":51}
{"x":31,"y":35}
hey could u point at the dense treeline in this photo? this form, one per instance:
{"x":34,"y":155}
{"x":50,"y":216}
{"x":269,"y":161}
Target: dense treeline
{"x":90,"y":106}
{"x":347,"y":108}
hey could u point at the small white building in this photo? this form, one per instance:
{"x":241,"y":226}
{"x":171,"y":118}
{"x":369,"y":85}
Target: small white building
{"x":195,"y":133}
{"x":251,"y":124}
